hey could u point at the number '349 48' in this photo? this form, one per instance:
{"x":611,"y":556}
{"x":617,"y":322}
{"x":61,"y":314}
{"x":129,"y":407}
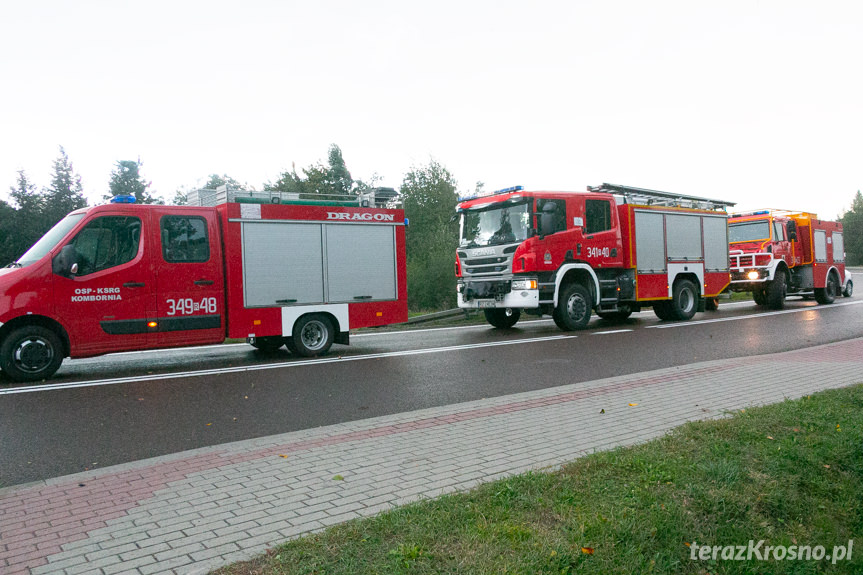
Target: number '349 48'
{"x":188,"y":306}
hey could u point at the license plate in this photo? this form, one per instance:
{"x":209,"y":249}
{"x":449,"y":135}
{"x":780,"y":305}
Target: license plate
{"x":485,"y":303}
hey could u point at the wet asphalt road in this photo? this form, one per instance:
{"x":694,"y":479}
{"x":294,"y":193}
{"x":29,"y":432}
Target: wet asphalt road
{"x":125,"y":407}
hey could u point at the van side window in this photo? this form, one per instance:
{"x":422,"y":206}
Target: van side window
{"x":597,"y":216}
{"x":184,"y":239}
{"x":106,"y":242}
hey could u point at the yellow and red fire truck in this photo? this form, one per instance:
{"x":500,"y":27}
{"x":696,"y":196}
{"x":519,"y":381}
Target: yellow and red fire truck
{"x":777,"y":253}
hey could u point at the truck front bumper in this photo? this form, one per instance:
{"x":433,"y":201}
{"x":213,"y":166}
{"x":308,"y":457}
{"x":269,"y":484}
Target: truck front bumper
{"x":497,"y":294}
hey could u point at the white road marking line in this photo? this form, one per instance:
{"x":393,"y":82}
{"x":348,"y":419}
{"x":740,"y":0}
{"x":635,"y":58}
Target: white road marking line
{"x":284,"y":365}
{"x":754,"y":315}
{"x":612,"y":331}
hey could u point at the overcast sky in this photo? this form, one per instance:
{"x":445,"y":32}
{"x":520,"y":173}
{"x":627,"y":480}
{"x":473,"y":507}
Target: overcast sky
{"x":758,"y":102}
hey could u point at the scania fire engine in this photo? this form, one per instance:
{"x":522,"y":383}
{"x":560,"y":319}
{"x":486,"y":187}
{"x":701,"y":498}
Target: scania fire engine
{"x":261,"y":266}
{"x":613,"y":249}
{"x":775,"y":253}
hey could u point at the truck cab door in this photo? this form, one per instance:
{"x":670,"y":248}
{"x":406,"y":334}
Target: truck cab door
{"x":601,"y":234}
{"x":189,"y":277}
{"x":103,"y":291}
{"x":782,"y":247}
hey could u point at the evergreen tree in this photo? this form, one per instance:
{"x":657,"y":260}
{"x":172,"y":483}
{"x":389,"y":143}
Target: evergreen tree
{"x":126,"y":180}
{"x":65,"y":194}
{"x":28,"y":222}
{"x":852,"y":225}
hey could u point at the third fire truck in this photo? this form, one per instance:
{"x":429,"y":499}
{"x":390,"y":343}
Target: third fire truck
{"x":775,"y":253}
{"x":612,"y":249}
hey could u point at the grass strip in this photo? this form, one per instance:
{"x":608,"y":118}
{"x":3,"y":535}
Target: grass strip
{"x":790,"y":474}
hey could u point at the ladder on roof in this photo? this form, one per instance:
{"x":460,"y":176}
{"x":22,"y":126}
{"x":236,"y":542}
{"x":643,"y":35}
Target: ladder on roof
{"x":655,"y":198}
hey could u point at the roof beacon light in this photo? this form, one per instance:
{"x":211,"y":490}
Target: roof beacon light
{"x":123,"y":199}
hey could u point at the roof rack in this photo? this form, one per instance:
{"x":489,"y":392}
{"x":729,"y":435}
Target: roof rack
{"x":374,"y":197}
{"x":632,"y":195}
{"x":775,"y":212}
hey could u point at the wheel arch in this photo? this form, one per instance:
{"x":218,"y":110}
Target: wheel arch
{"x":42,"y":321}
{"x":576,"y":273}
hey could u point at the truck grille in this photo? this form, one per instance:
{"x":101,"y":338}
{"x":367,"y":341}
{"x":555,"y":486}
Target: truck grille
{"x":499,"y":265}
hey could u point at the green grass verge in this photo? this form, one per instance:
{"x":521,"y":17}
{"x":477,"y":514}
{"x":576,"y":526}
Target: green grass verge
{"x":790,"y":474}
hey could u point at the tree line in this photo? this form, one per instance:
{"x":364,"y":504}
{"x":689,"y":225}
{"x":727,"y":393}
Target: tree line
{"x":428,"y":193}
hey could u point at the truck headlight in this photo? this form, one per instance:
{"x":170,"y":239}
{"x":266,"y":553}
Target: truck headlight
{"x":753,"y":275}
{"x":523,"y":284}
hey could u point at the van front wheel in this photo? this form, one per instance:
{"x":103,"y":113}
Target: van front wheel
{"x":31,"y":353}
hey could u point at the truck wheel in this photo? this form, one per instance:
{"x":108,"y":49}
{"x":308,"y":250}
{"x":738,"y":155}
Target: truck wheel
{"x":573,"y":308}
{"x":269,"y":343}
{"x":502,"y":318}
{"x":684,"y":300}
{"x":31,"y":353}
{"x":662,"y":309}
{"x":758,"y":296}
{"x":827,"y":294}
{"x":313,"y":335}
{"x":774,"y":295}
{"x":711,"y":304}
{"x":849,"y":289}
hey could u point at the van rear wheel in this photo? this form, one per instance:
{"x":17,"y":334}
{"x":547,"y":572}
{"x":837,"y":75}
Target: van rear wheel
{"x":313,"y":335}
{"x":31,"y":353}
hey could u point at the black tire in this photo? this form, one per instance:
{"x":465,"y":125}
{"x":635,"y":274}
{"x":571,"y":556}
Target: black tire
{"x":774,"y":295}
{"x":662,"y":309}
{"x":711,"y":304}
{"x":498,"y":317}
{"x":313,"y":335}
{"x":827,"y":294}
{"x":684,"y":300}
{"x":268,"y":344}
{"x":573,"y":308}
{"x":289,"y":343}
{"x":31,"y":353}
{"x":849,"y":289}
{"x":758,"y":296}
{"x":623,"y":312}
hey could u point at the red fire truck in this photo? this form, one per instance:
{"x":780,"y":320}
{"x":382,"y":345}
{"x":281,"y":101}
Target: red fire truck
{"x":613,"y":249}
{"x":276,"y":272}
{"x":775,"y":253}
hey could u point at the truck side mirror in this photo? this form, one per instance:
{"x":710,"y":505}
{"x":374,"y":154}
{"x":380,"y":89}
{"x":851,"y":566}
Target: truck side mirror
{"x":546,"y":219}
{"x":64,"y":263}
{"x":792,"y":231}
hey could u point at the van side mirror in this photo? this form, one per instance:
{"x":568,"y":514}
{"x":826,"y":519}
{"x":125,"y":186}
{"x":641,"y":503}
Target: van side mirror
{"x":64,"y":263}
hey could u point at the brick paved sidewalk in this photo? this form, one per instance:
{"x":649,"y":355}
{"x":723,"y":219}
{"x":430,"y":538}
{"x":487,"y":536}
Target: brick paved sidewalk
{"x":194,"y":511}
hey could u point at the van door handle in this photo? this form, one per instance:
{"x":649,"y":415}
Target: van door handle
{"x":203,"y":282}
{"x":134,"y":284}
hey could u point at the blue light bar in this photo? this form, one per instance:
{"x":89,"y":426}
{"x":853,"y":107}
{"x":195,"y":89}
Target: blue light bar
{"x":508,"y":190}
{"x":487,"y":194}
{"x":123,"y":200}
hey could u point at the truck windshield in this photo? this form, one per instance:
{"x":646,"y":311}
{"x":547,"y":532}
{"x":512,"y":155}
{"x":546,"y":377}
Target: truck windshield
{"x":749,"y":231}
{"x":505,"y":224}
{"x":47,"y":242}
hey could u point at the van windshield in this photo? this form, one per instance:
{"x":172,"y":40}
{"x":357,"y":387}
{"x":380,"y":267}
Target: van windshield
{"x":47,"y":242}
{"x":490,"y":227}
